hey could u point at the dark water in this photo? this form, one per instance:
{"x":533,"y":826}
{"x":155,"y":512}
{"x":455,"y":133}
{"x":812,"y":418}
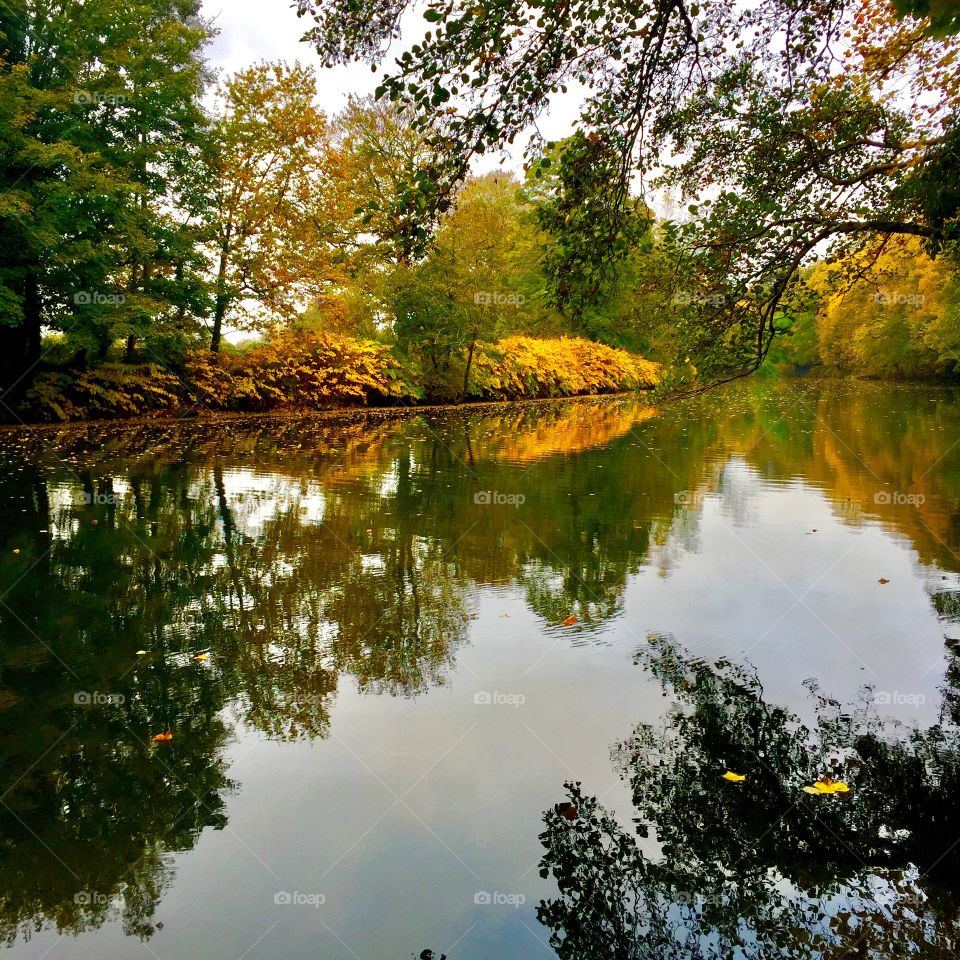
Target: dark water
{"x":354,"y":632}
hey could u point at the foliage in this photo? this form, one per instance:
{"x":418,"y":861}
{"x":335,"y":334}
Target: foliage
{"x":890,"y":312}
{"x":592,"y":229}
{"x":101,"y":108}
{"x":784,"y":125}
{"x":105,"y":391}
{"x":303,"y":371}
{"x":757,"y":867}
{"x":269,"y":167}
{"x":309,"y":370}
{"x":521,"y":367}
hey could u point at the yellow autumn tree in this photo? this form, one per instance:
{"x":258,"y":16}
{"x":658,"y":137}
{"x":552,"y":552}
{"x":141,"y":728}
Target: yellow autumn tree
{"x":272,"y":173}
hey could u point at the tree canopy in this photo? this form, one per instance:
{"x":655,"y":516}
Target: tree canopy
{"x":786,"y":125}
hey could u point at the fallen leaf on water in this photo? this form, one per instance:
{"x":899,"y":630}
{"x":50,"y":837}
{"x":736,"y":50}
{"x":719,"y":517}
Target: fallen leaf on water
{"x":883,"y":580}
{"x":826,"y":785}
{"x":162,"y":737}
{"x":734,"y":777}
{"x":202,"y":656}
{"x":16,"y":550}
{"x":140,"y":653}
{"x":571,"y":620}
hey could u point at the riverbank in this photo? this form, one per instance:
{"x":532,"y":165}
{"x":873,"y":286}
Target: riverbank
{"x":312,"y":373}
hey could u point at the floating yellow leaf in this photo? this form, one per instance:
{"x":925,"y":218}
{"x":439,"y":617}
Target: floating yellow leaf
{"x":570,"y":621}
{"x":162,"y":737}
{"x":202,"y":656}
{"x":734,"y":777}
{"x":826,"y":785}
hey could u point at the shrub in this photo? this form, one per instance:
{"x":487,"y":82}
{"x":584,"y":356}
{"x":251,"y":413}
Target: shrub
{"x":309,"y":371}
{"x":524,"y":367}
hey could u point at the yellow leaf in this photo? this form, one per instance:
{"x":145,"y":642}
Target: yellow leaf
{"x":734,"y":777}
{"x":826,"y":785}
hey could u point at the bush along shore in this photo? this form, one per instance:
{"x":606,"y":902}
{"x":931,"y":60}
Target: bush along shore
{"x":319,"y":371}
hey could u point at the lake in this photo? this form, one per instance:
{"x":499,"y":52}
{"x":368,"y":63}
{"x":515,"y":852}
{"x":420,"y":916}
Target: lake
{"x":312,"y":688}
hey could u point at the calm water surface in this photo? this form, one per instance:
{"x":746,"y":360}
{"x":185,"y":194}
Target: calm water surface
{"x":359,"y":635}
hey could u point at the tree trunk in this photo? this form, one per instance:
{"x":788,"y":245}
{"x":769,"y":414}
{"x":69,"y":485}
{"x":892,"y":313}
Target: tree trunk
{"x":220,"y":309}
{"x":129,"y":353}
{"x":466,"y":373}
{"x":31,"y":318}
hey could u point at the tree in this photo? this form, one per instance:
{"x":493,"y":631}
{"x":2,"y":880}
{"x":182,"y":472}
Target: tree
{"x":91,"y":128}
{"x":270,"y":165}
{"x":479,"y":281}
{"x":775,"y":121}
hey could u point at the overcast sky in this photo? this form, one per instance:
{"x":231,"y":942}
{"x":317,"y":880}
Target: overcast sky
{"x":255,"y":30}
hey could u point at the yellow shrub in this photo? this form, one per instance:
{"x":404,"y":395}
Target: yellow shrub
{"x":308,"y":371}
{"x":524,"y":367}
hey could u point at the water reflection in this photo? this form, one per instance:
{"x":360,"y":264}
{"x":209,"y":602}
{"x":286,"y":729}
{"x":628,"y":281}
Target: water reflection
{"x":204,"y":578}
{"x":759,"y":868}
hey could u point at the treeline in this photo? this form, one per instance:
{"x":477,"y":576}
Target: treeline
{"x":890,"y":312}
{"x":153,"y":218}
{"x":162,"y":230}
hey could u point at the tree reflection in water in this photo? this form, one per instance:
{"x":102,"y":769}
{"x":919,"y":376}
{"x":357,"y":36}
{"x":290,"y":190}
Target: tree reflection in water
{"x":759,"y":868}
{"x":303,"y":554}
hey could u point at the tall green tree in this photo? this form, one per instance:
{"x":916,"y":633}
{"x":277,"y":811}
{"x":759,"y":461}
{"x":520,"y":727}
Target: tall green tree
{"x":98,"y":99}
